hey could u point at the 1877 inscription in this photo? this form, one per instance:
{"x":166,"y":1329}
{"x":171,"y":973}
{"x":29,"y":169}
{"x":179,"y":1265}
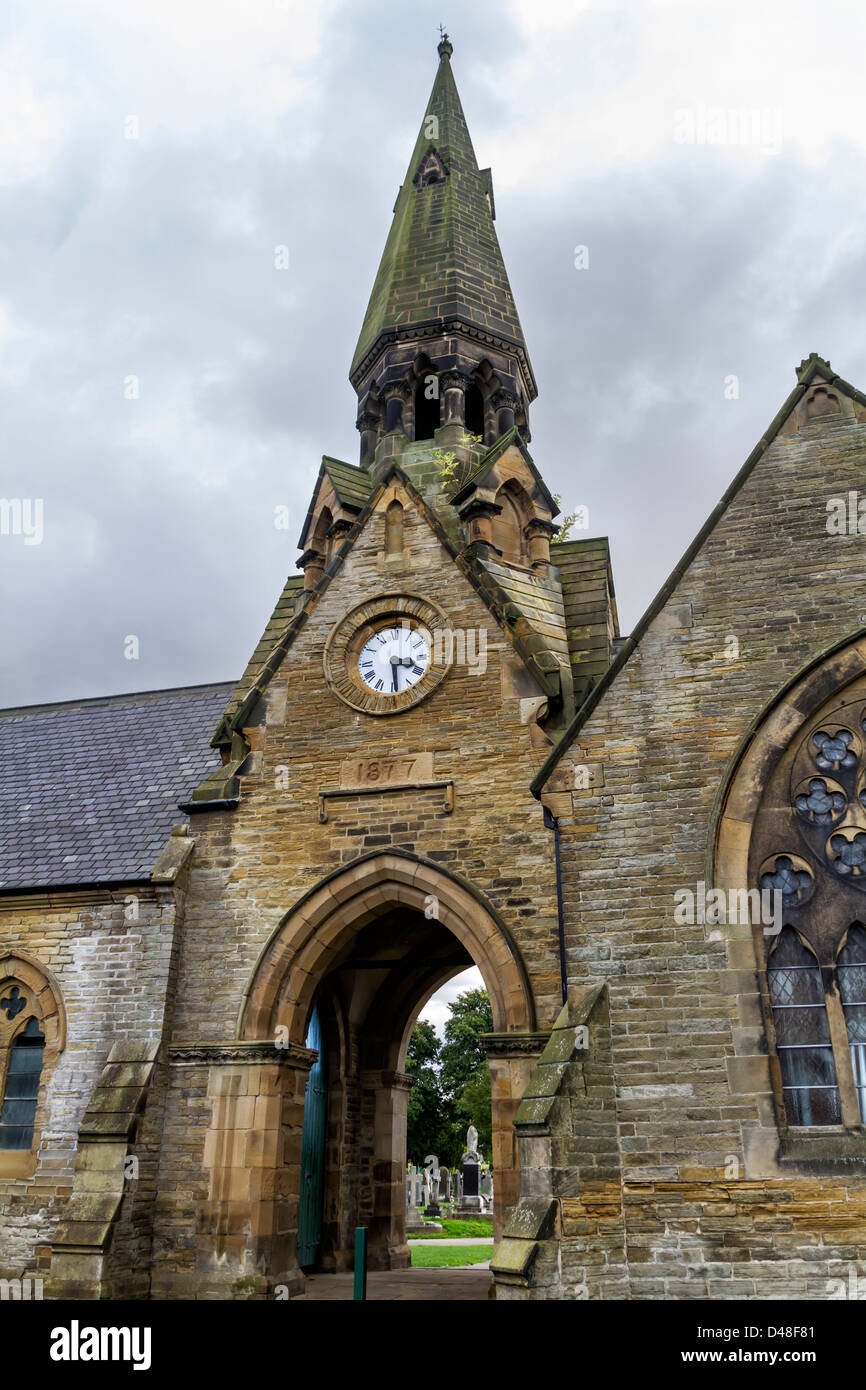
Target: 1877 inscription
{"x":386,"y":772}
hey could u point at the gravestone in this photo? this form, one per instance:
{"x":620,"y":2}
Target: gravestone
{"x":471,"y":1202}
{"x":487,"y":1188}
{"x":413,"y":1188}
{"x":431,"y":1168}
{"x":414,"y":1198}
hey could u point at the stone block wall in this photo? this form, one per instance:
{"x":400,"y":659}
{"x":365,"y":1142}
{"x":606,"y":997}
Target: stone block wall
{"x":110,"y":955}
{"x":254,"y":864}
{"x":711,"y":1208}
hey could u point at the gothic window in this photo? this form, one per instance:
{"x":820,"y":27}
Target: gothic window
{"x":509,"y":525}
{"x":394,"y":528}
{"x":808,"y":847}
{"x":851,"y":970}
{"x":32,"y":1033}
{"x":21,"y":1091}
{"x":809,"y":1086}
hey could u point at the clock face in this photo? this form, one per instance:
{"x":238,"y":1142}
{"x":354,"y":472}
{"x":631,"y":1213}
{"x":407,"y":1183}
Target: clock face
{"x":393,"y":659}
{"x":385,"y":656}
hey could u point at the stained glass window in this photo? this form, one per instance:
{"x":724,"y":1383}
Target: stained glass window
{"x":802,"y":1034}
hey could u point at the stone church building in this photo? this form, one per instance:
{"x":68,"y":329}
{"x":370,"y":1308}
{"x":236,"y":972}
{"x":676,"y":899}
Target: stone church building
{"x":222,"y":908}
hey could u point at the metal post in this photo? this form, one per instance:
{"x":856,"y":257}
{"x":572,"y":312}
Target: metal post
{"x":360,"y":1262}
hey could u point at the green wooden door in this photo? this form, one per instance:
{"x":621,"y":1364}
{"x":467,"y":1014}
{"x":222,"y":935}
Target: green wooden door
{"x":312,"y":1153}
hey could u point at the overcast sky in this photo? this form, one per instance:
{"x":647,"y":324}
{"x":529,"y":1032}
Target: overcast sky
{"x":165,"y":387}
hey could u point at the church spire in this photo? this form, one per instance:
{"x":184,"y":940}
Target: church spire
{"x":441,"y":343}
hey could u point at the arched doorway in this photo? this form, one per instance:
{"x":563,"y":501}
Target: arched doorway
{"x":366,"y":949}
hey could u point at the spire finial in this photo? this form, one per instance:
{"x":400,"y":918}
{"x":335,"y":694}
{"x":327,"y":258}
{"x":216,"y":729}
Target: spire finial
{"x":446,"y":48}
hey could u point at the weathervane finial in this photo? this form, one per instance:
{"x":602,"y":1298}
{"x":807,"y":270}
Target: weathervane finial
{"x":445,"y":46}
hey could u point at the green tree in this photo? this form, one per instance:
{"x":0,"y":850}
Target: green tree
{"x":430,"y":1116}
{"x":474,"y":1108}
{"x":464,"y":1076}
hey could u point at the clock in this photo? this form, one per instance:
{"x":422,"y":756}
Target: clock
{"x":388,"y":654}
{"x":394,"y":659}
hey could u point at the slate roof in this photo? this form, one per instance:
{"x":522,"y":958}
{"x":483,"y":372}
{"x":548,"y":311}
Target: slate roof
{"x":531,"y":606}
{"x":89,"y":789}
{"x":590,"y":607}
{"x":352,"y":484}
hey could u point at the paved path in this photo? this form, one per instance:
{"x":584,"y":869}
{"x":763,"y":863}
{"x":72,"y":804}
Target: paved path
{"x":416,"y":1285}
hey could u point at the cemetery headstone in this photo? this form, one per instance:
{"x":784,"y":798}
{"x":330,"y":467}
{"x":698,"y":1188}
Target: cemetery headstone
{"x":431,"y":1166}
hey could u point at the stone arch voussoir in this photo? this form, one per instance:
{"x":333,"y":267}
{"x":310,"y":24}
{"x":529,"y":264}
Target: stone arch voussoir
{"x":310,"y":935}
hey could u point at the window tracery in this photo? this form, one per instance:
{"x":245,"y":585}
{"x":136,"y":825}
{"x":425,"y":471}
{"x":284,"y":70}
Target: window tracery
{"x":809,"y":846}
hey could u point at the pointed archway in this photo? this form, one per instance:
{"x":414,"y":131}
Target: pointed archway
{"x":366,"y":948}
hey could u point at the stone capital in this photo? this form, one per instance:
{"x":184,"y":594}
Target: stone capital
{"x":538,"y":527}
{"x":477,"y":507}
{"x":454,"y":380}
{"x":512,"y":1045}
{"x":257,"y":1053}
{"x":309,"y":557}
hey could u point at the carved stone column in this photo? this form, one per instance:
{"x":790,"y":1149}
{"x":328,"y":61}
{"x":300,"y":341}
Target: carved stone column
{"x":312,"y":562}
{"x":538,"y":535}
{"x":337,"y":532}
{"x":454,"y":387}
{"x":368,"y":424}
{"x":397,"y":398}
{"x":479,"y":515}
{"x":505,"y":405}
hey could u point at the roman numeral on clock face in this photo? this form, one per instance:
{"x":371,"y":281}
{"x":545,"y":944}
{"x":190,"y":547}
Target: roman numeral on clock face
{"x":392,"y":660}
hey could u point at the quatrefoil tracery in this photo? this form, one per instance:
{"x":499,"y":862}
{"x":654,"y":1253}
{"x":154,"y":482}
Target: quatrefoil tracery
{"x":834,"y":750}
{"x":830,"y":808}
{"x":821,"y":801}
{"x":13,"y":1003}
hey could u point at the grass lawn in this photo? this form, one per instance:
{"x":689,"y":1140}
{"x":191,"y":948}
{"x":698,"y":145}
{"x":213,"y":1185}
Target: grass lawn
{"x":443,"y":1256}
{"x":456,"y":1229}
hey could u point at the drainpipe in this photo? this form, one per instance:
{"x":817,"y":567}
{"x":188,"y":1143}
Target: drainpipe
{"x":551,"y":823}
